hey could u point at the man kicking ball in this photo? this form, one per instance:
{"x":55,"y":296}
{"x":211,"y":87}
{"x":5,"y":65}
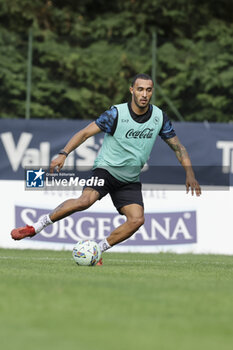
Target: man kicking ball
{"x":130,"y":132}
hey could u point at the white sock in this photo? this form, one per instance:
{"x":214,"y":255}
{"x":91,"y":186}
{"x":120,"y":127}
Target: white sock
{"x":42,"y":223}
{"x":104,"y":245}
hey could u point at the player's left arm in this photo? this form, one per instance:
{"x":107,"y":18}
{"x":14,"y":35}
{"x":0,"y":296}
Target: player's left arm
{"x":183,"y":157}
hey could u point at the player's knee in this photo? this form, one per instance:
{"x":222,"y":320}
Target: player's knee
{"x":86,"y":200}
{"x":83,"y":203}
{"x":136,"y":222}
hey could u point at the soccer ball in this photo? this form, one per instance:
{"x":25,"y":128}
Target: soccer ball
{"x":86,"y":253}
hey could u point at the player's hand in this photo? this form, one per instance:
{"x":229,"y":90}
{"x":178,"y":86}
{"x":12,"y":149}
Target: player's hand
{"x":193,"y":185}
{"x":57,"y":163}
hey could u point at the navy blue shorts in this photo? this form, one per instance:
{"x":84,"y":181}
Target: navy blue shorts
{"x":122,"y":193}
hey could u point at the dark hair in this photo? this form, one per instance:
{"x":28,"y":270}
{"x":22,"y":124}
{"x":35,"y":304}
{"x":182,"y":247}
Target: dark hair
{"x":141,"y":76}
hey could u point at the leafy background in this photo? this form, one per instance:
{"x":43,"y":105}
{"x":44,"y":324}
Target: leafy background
{"x":85,"y":53}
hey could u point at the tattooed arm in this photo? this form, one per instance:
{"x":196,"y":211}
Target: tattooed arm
{"x":183,"y":157}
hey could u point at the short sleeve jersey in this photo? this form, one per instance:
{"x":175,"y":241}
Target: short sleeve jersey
{"x":107,"y":121}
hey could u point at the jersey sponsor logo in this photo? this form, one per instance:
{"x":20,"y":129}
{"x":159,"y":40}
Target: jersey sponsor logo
{"x":125,"y":120}
{"x":139,"y":134}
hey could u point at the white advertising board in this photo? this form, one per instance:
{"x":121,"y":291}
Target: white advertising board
{"x":175,"y":221}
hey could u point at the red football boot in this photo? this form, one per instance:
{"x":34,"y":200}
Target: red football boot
{"x":100,"y":262}
{"x":23,"y":232}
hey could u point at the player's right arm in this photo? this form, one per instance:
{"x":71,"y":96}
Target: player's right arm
{"x":80,"y":137}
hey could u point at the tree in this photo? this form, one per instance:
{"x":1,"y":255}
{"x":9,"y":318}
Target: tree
{"x":86,"y":52}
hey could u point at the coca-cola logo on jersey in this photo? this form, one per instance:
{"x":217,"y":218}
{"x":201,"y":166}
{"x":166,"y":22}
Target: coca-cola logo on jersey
{"x":139,"y":134}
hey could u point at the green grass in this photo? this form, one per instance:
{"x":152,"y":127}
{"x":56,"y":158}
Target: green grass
{"x":133,"y":301}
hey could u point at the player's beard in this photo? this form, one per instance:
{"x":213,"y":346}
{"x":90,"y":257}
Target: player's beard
{"x":137,"y":102}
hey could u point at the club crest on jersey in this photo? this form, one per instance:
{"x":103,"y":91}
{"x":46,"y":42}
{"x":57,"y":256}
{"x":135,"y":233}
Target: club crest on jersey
{"x":156,"y":120}
{"x":146,"y":133}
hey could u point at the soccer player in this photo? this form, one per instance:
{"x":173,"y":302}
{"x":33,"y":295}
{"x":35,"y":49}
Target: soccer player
{"x":130,"y":132}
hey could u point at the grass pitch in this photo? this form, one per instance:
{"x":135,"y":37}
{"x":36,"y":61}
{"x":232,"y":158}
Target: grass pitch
{"x":133,"y":301}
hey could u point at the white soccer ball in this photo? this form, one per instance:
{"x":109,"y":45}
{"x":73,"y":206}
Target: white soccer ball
{"x":86,"y":253}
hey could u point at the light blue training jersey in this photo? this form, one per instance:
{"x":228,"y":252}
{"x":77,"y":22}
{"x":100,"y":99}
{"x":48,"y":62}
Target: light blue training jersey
{"x":124,"y":153}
